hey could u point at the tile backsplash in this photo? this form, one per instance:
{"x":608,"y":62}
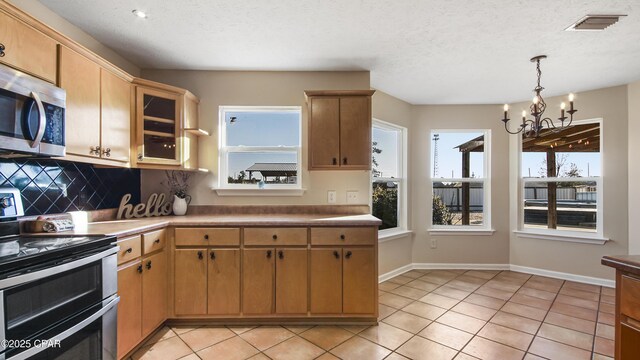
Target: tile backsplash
{"x":51,"y":186}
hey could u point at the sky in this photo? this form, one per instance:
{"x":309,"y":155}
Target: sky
{"x":387,"y":141}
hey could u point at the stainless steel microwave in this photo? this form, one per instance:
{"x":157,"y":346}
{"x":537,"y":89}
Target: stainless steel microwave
{"x":32,"y":116}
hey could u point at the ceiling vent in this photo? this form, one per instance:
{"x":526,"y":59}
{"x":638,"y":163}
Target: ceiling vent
{"x":594,"y":22}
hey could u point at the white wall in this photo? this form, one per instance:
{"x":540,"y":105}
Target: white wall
{"x":610,"y":104}
{"x":55,"y":21}
{"x":634,"y":167}
{"x":219,"y":88}
{"x":467,"y":249}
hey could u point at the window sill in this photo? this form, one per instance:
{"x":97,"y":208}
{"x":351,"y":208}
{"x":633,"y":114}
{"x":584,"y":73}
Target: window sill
{"x":259,"y":192}
{"x":474,"y":232}
{"x":392,"y":234}
{"x":584,"y":239}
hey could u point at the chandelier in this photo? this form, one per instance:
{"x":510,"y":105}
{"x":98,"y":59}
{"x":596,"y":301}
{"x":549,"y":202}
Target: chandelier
{"x":532,"y":127}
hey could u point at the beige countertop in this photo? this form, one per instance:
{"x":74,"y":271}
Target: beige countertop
{"x":122,"y":228}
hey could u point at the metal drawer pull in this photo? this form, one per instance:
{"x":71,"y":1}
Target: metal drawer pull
{"x":268,"y":254}
{"x":206,"y":236}
{"x":200,"y":255}
{"x":274,"y":237}
{"x":342,"y":237}
{"x":335,"y":161}
{"x":348,"y":255}
{"x":213,"y":255}
{"x":336,"y":254}
{"x":129,"y":250}
{"x":280,"y":254}
{"x":157,"y":241}
{"x":2,"y":50}
{"x":140,"y":268}
{"x":149,"y":265}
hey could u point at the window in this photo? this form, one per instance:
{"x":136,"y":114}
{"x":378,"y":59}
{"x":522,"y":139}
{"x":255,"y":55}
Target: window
{"x":460,"y":170}
{"x":561,"y":179}
{"x":388,"y":201}
{"x":259,"y":147}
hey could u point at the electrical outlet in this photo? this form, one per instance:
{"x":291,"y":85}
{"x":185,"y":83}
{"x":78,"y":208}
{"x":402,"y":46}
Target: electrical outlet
{"x":434,"y":243}
{"x":331,"y":196}
{"x":352,"y":197}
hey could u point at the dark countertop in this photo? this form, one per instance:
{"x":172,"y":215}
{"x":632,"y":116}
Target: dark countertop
{"x":121,"y":228}
{"x":626,"y":263}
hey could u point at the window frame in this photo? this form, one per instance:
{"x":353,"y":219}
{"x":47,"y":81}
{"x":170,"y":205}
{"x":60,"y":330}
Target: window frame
{"x":486,"y":227}
{"x":224,"y":150}
{"x":561,"y":234}
{"x":401,"y":180}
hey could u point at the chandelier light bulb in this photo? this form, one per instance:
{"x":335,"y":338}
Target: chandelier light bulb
{"x":535,"y":100}
{"x":524,"y":113}
{"x":506,"y":107}
{"x":563,"y":106}
{"x":571,"y":97}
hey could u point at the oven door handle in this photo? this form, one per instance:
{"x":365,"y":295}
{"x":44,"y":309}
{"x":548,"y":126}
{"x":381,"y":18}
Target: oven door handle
{"x":112,"y":301}
{"x":42,"y":120}
{"x":37,"y":275}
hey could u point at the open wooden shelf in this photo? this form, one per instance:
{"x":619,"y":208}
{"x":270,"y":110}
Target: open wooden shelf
{"x":198,"y":132}
{"x":157,"y":133}
{"x":159,"y":119}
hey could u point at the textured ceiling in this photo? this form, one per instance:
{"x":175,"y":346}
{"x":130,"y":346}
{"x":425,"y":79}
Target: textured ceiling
{"x":422,"y":51}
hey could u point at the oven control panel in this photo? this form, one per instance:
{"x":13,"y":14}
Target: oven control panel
{"x":10,"y":203}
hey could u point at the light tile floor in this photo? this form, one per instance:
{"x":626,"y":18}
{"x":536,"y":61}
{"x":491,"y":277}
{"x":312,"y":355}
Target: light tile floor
{"x":438,"y":314}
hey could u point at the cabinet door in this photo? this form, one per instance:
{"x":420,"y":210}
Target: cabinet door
{"x":291,"y":281}
{"x":158,"y":126}
{"x":355,"y":132}
{"x":358,"y":281}
{"x":224,"y":281}
{"x":116,"y":117}
{"x":257,"y":281}
{"x":27,"y":49}
{"x":326,"y":281}
{"x":324,"y":133}
{"x":190,"y":282}
{"x":129,"y":307}
{"x":154,"y":292}
{"x":80,"y":77}
{"x":629,"y":342}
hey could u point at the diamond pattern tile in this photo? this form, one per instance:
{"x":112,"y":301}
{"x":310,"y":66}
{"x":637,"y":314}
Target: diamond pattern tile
{"x":509,"y":316}
{"x":50,"y":186}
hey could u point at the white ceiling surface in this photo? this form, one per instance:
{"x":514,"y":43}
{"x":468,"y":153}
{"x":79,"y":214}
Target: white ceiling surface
{"x":422,"y":51}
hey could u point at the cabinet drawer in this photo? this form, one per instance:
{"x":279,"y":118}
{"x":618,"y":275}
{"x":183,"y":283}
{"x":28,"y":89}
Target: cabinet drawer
{"x":207,"y":236}
{"x":343,"y":236}
{"x":630,"y":297}
{"x":130,"y":248}
{"x":275,"y":236}
{"x":153,"y":241}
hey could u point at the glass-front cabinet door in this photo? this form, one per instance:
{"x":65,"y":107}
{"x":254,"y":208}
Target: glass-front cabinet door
{"x":158,"y":126}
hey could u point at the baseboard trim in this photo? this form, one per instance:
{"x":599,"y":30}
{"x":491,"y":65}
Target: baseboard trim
{"x":523,"y":269}
{"x":565,"y":276}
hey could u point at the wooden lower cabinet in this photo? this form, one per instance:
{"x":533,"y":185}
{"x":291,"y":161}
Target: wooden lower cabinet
{"x":326,"y":281}
{"x":258,"y":281}
{"x":129,"y":307}
{"x":190,"y":291}
{"x":223,"y":280}
{"x":359,"y":281}
{"x":154,"y":292}
{"x":291,"y":281}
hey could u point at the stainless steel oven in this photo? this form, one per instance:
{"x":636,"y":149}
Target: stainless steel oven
{"x":32,"y":115}
{"x":63,"y":308}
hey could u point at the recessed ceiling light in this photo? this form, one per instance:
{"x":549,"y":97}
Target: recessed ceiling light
{"x":140,"y":14}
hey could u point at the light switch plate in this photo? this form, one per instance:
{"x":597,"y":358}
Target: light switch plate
{"x":352,"y":197}
{"x":331,"y":196}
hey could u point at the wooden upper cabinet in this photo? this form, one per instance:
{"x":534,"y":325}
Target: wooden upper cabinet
{"x":27,"y":49}
{"x":190,"y":279}
{"x":158,"y":119}
{"x":116,"y":117}
{"x":339,"y":129}
{"x":154,"y":292}
{"x":80,"y":77}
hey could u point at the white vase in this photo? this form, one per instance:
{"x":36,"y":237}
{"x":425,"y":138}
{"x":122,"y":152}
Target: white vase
{"x":180,"y":205}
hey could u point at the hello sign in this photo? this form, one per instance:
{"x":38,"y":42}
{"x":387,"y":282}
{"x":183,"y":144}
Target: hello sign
{"x":155,"y":206}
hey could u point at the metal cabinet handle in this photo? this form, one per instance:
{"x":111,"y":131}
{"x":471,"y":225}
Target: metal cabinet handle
{"x":157,"y":241}
{"x":129,"y":250}
{"x":281,"y":254}
{"x":348,"y":255}
{"x":149,"y":265}
{"x":342,"y":237}
{"x":107,"y":152}
{"x":2,"y":50}
{"x":336,"y":254}
{"x":139,"y":157}
{"x":274,"y":237}
{"x":95,"y":150}
{"x":139,"y":269}
{"x":206,"y":236}
{"x":335,"y":161}
{"x":200,"y":255}
{"x":268,"y":254}
{"x":344,"y":161}
{"x":212,"y":255}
